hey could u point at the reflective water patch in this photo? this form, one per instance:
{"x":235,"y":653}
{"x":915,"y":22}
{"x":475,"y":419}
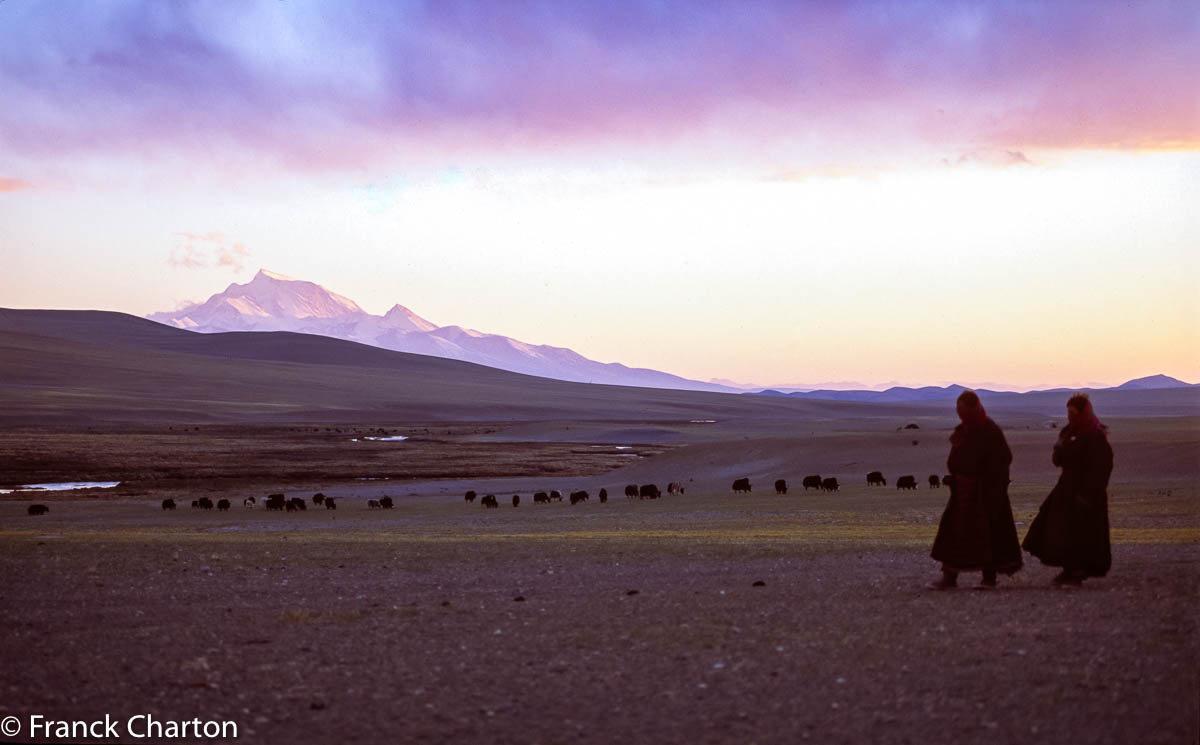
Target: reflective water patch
{"x":63,"y":486}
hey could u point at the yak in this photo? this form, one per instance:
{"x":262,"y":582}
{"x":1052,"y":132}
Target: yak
{"x":168,"y":504}
{"x":631,"y":491}
{"x":674,"y":488}
{"x":780,"y":486}
{"x":829,"y":484}
{"x":387,"y":503}
{"x":812,"y":482}
{"x":648,"y":491}
{"x":37,"y":509}
{"x":541,"y":497}
{"x":470,"y":497}
{"x":741,"y":485}
{"x":934,"y":481}
{"x":578,"y":496}
{"x":330,"y":503}
{"x":222,"y":505}
{"x":516,"y":500}
{"x":603,"y":496}
{"x":906,"y":482}
{"x":875,"y":478}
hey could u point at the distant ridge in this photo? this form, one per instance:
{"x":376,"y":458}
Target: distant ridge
{"x":902,"y":394}
{"x":1153,"y":382}
{"x":276,"y":302}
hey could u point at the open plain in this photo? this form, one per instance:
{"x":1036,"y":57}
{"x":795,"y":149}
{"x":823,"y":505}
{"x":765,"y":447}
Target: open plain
{"x":700,"y":617}
{"x":636,"y":621}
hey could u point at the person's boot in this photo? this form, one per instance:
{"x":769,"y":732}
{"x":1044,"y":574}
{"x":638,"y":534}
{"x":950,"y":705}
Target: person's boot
{"x":949,"y":581}
{"x":988,"y":582}
{"x":1068,"y":578}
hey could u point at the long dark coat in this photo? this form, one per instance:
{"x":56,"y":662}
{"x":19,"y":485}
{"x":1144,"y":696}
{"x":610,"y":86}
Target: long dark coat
{"x":977,"y":529}
{"x":1071,"y":528}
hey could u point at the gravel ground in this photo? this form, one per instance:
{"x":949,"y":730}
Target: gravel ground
{"x":428,"y":625}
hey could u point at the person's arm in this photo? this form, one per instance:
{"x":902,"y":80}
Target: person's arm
{"x":1097,"y":467}
{"x":1060,"y":447}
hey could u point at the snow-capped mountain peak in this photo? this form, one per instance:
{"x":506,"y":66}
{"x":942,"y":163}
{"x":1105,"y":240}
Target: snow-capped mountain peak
{"x":276,"y":302}
{"x":265,"y":274}
{"x":403,"y":319}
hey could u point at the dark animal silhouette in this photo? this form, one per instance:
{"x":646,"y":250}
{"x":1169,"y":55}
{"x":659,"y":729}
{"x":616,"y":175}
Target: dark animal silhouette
{"x":541,"y":497}
{"x":906,"y":482}
{"x":330,"y":503}
{"x":911,"y":426}
{"x":516,"y":500}
{"x":578,"y":496}
{"x":205,"y":503}
{"x":319,"y":498}
{"x":603,"y":496}
{"x":168,"y":504}
{"x":372,"y":504}
{"x":780,"y":486}
{"x":741,"y":485}
{"x":948,"y":480}
{"x":387,"y":503}
{"x":195,"y":504}
{"x":631,"y":491}
{"x":812,"y":482}
{"x":648,"y":491}
{"x":556,"y":495}
{"x":275,"y":501}
{"x":934,"y":481}
{"x":674,"y":488}
{"x":222,"y":505}
{"x":249,"y":502}
{"x":490,"y":502}
{"x":37,"y":509}
{"x":875,"y":478}
{"x":470,"y":496}
{"x":829,"y":484}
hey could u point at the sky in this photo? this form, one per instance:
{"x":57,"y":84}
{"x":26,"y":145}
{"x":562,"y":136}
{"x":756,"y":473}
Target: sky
{"x":767,"y":192}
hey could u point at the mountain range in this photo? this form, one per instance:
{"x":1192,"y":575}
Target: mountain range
{"x":274,"y":302}
{"x":899,"y":394}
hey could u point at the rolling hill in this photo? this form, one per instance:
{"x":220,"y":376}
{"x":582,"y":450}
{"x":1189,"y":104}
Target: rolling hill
{"x":74,"y":367}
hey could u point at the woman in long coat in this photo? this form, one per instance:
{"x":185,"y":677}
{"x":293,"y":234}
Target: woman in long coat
{"x":1071,"y":528}
{"x":977,"y":532}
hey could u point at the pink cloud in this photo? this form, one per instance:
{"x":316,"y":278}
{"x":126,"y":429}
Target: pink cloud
{"x":14,"y":184}
{"x":201,"y":250}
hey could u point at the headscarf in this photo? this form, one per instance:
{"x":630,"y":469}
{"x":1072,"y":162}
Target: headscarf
{"x":1088,"y":421}
{"x":975,"y":415}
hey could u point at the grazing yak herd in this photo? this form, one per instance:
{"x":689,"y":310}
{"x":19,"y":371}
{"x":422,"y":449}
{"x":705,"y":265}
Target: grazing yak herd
{"x":740,"y":486}
{"x":282,"y":503}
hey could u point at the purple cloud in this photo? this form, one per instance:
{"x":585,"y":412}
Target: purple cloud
{"x":349,"y":85}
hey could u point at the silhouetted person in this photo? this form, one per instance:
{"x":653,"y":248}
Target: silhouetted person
{"x":977,"y":531}
{"x":1071,"y":528}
